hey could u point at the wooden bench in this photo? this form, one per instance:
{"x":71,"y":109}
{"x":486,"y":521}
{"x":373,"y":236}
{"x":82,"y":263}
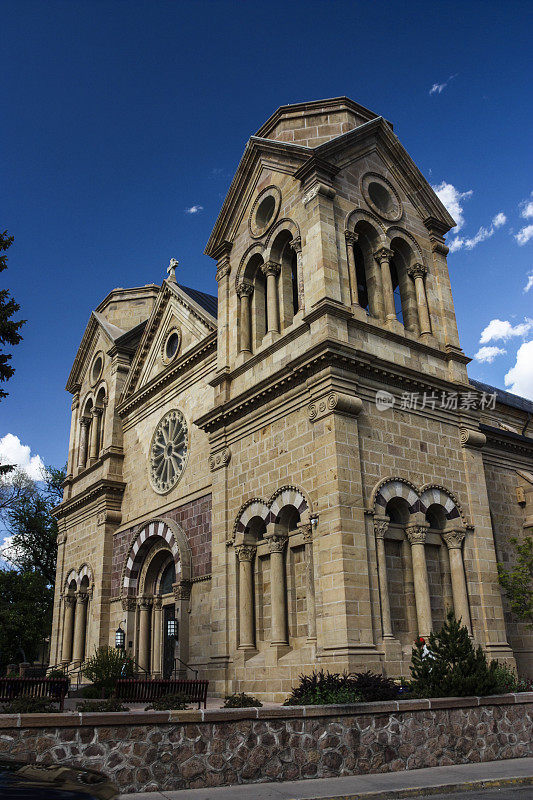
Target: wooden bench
{"x":54,"y":688}
{"x":138,"y":690}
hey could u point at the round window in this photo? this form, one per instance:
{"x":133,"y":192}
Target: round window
{"x":381,"y":196}
{"x":171,"y":345}
{"x":168,"y":451}
{"x":97,"y":367}
{"x":264,"y":211}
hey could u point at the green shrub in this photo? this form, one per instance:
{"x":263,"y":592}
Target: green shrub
{"x":450,"y":666}
{"x":98,"y":706}
{"x":91,"y":692}
{"x":29,"y":705}
{"x":524,"y":685}
{"x":373,"y":687}
{"x":106,"y":667}
{"x":173,"y":701}
{"x":241,"y":700}
{"x":324,"y":688}
{"x":56,"y":673}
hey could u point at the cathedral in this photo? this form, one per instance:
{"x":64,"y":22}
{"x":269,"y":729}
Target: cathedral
{"x":293,"y":473}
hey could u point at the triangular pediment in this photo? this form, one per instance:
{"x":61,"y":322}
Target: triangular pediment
{"x":186,"y":312}
{"x":99,"y":335}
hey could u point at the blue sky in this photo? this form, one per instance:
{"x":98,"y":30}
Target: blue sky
{"x":119,"y":116}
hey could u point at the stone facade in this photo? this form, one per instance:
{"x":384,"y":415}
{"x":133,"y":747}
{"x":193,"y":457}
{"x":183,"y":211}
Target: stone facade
{"x":148,"y":751}
{"x":253,"y":466}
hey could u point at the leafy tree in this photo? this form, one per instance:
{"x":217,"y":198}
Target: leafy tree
{"x":518,"y":581}
{"x":9,"y":329}
{"x":33,"y":542}
{"x":26,"y":601}
{"x":15,"y":487}
{"x":449,"y":665}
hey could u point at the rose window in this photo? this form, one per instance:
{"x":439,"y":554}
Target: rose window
{"x":168,"y":452}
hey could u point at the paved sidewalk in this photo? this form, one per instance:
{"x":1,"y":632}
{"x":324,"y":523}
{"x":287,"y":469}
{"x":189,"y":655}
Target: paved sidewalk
{"x":356,"y":785}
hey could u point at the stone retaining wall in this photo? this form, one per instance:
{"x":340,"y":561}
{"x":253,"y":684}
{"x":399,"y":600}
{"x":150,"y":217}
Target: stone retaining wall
{"x":143,"y":751}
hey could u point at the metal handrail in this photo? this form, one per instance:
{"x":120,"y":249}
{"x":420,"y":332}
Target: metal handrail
{"x":187,"y":666}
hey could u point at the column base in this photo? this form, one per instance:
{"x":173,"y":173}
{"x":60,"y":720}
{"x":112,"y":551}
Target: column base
{"x":392,"y":648}
{"x":276,"y":651}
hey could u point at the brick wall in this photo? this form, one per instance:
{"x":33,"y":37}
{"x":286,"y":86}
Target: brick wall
{"x":194,"y":518}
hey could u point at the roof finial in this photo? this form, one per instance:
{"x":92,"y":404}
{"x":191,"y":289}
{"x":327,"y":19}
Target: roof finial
{"x":171,"y":269}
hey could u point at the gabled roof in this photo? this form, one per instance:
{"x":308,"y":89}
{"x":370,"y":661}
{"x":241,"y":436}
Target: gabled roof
{"x":207,"y":301}
{"x":96,"y":321}
{"x":289,"y":157}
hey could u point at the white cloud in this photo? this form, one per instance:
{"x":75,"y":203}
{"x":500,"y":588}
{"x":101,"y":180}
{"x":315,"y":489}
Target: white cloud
{"x":529,"y":283}
{"x":437,"y":88}
{"x":527,"y":208}
{"x":486,"y":355}
{"x":7,"y":551}
{"x":502,"y":329}
{"x":194,"y":209}
{"x":451,"y":198}
{"x":519,"y":379}
{"x":12,"y":451}
{"x":524,"y":235}
{"x":482,"y":234}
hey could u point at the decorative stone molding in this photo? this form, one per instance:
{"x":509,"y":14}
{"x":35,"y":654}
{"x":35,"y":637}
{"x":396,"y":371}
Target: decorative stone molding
{"x":319,"y":188}
{"x":158,"y":602}
{"x":144,"y":602}
{"x":256,"y":224}
{"x":182,"y":590}
{"x":306,"y":529}
{"x":454,"y":539}
{"x":472,"y":438}
{"x":351,"y":237}
{"x":69,"y":600}
{"x":109,"y":516}
{"x":296,"y":244}
{"x":220,"y":459}
{"x":82,"y":597}
{"x":245,"y":552}
{"x":392,"y":214}
{"x":335,"y":401}
{"x":416,"y":534}
{"x":417,"y":270}
{"x":222,"y":272}
{"x":277,"y":543}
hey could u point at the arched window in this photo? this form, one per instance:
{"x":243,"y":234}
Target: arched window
{"x":294,"y":276}
{"x":403,"y":286}
{"x":396,"y":291}
{"x":367,"y":276}
{"x":360,"y":275}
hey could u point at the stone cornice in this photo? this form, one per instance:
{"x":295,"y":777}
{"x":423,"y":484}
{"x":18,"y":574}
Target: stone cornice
{"x":328,"y":353}
{"x":507,"y":440}
{"x":102,"y":488}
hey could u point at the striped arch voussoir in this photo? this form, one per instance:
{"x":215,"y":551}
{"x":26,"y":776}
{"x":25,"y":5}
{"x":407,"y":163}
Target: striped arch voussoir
{"x":78,"y":575}
{"x":438,"y":495}
{"x":287,"y":496}
{"x":256,"y":507}
{"x":396,"y":487}
{"x":132,"y":565}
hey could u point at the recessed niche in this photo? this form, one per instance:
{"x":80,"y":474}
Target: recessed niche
{"x":381,"y":197}
{"x":264,"y":211}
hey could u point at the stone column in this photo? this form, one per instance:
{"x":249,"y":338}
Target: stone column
{"x":454,"y":541}
{"x":307,"y":534}
{"x":68,"y":628}
{"x":416,"y":535}
{"x":144,"y":633}
{"x":418,"y":272}
{"x":95,"y":434}
{"x":380,"y":529}
{"x":272,"y":270}
{"x":351,"y":238}
{"x":80,"y":624}
{"x":84,"y":441}
{"x":245,"y":291}
{"x":245,"y":554}
{"x":383,"y":257}
{"x":156,"y":634}
{"x":296,"y":245}
{"x":277,"y":590}
{"x":409,"y":590}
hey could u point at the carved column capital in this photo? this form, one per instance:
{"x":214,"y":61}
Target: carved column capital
{"x":454,"y":539}
{"x":245,"y":552}
{"x":306,"y":529}
{"x":70,"y":600}
{"x":182,"y":590}
{"x":271,"y":268}
{"x":383,"y":254}
{"x":351,"y":237}
{"x":96,"y":411}
{"x":245,"y":289}
{"x":158,"y":602}
{"x":129,"y":603}
{"x":85,"y":422}
{"x":81,"y":597}
{"x":296,"y":244}
{"x":417,"y":270}
{"x":416,"y":534}
{"x":277,"y":543}
{"x":144,"y":603}
{"x":381,"y":527}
